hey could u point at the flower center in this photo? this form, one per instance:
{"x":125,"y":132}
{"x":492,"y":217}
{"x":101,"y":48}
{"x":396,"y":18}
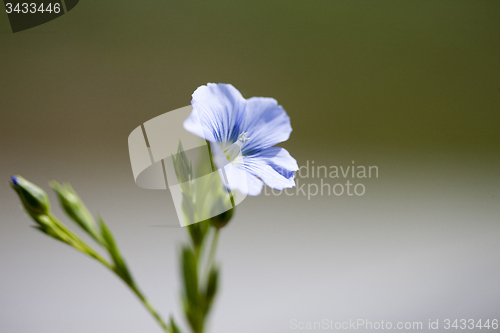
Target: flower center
{"x":234,"y":150}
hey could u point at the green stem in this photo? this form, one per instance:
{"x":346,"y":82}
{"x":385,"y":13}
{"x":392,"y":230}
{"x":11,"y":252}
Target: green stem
{"x":210,"y":155}
{"x":150,"y":308}
{"x":79,"y":244}
{"x":213,"y":250}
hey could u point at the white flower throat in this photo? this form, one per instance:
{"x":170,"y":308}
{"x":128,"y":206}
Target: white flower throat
{"x":234,"y":150}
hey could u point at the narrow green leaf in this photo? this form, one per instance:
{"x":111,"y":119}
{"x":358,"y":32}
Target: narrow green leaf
{"x":212,"y":284}
{"x":173,"y":326}
{"x":76,"y":209}
{"x":109,"y":241}
{"x":190,"y":276}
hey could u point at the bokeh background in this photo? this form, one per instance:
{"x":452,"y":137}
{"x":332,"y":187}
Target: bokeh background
{"x":412,"y":87}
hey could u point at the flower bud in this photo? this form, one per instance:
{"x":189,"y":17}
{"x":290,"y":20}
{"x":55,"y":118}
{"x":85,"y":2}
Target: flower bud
{"x":34,"y":199}
{"x":197,"y":231}
{"x":75,"y":208}
{"x":222,"y":219}
{"x":183,"y":169}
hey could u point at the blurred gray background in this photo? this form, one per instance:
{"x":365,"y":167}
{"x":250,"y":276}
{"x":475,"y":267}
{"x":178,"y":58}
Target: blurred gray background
{"x":411,"y":87}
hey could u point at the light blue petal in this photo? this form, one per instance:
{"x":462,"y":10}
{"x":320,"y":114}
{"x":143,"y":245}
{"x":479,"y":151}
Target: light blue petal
{"x":278,"y":158}
{"x":274,"y":166}
{"x":239,"y":178}
{"x":243,"y":181}
{"x":266,"y":123}
{"x":219,"y":109}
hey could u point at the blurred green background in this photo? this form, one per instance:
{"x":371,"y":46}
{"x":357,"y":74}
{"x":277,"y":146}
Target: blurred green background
{"x":396,"y":74}
{"x":410,"y":86}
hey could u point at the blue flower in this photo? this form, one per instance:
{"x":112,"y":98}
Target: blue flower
{"x":243,"y":133}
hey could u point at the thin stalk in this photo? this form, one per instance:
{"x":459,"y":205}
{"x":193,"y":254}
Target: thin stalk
{"x":79,"y":243}
{"x":213,"y":250}
{"x":150,"y":308}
